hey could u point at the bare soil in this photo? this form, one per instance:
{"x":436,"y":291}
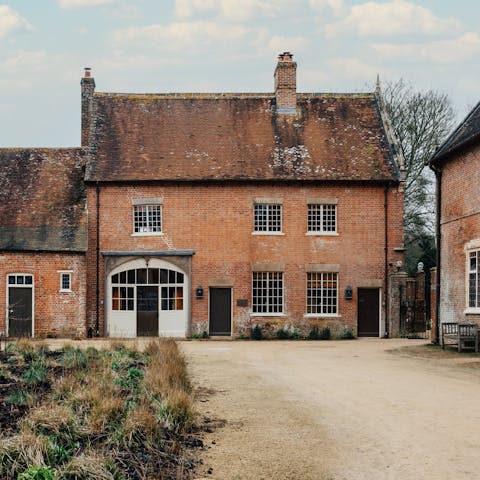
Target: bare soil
{"x":343,"y":410}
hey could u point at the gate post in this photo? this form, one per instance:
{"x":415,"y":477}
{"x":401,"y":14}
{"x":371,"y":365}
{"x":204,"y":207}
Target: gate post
{"x":396,"y":293}
{"x":433,"y":303}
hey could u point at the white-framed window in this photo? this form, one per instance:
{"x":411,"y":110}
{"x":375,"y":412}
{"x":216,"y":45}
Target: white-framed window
{"x":267,"y":293}
{"x":20,"y":280}
{"x":147,"y":219}
{"x":322,"y":218}
{"x":65,"y":280}
{"x":322,"y":293}
{"x":267,"y":218}
{"x":474,"y":279}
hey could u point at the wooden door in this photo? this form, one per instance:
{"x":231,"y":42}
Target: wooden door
{"x":19,"y":312}
{"x":147,"y":311}
{"x":220,"y":311}
{"x":368,"y":312}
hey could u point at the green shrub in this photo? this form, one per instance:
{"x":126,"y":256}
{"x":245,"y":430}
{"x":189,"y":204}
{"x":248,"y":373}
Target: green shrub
{"x":314,"y":333}
{"x":256,"y":333}
{"x":35,"y":374}
{"x":37,"y":473}
{"x":282,"y":334}
{"x":347,"y":335}
{"x":325,"y":334}
{"x":295,"y":335}
{"x":21,"y":398}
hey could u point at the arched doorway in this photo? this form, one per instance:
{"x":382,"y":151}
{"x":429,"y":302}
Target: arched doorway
{"x":147,"y":299}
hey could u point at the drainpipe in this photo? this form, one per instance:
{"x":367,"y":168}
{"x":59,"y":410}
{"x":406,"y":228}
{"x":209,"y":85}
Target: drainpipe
{"x":385,"y":206}
{"x":97,"y":289}
{"x":438,"y":234}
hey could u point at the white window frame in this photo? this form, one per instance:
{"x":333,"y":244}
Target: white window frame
{"x":15,"y":285}
{"x":476,"y":272}
{"x":62,"y":273}
{"x":321,"y":230}
{"x":321,"y":291}
{"x":269,"y":207}
{"x":147,"y":230}
{"x":270,"y":278}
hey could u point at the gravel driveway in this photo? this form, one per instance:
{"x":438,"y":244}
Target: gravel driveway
{"x":338,"y":410}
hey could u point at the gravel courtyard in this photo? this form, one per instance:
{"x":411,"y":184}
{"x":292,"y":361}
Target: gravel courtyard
{"x":350,"y":410}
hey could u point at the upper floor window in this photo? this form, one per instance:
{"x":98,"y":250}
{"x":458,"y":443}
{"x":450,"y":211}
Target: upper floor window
{"x":267,"y":218}
{"x":322,"y":218}
{"x":474,"y":279}
{"x":147,"y":219}
{"x":65,"y":281}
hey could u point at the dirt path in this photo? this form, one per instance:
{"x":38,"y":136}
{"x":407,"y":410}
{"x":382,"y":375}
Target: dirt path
{"x":336,"y":410}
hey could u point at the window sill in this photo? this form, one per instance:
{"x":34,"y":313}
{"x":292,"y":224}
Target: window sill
{"x":277,"y":234}
{"x":65,"y":291}
{"x":321,"y":234}
{"x":268,"y":315}
{"x":147,"y":234}
{"x":472,"y":311}
{"x":322,"y":315}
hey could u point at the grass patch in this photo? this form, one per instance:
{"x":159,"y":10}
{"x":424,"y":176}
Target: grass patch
{"x":91,"y":414}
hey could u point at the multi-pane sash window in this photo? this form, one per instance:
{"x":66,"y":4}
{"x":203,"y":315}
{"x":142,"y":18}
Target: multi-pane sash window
{"x":267,"y":292}
{"x":65,"y":281}
{"x":147,"y":219}
{"x":474,"y":279}
{"x":267,"y":217}
{"x":322,"y":218}
{"x":322,"y":293}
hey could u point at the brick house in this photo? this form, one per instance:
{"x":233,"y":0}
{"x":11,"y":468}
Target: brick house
{"x":457,"y":167}
{"x":216,"y":212}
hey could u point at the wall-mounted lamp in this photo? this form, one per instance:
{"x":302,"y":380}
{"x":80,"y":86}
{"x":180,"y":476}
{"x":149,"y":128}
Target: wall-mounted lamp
{"x":348,"y":293}
{"x":199,"y":292}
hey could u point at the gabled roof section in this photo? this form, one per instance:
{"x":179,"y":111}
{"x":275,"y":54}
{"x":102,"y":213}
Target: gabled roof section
{"x":42,"y":200}
{"x":465,"y":134}
{"x":238,"y":137}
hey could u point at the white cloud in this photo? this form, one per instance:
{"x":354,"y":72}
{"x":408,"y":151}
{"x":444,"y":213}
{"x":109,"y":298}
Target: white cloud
{"x":82,"y":3}
{"x":275,"y":44}
{"x":335,"y":6}
{"x":397,"y":17}
{"x":351,"y":68}
{"x":234,"y":10}
{"x":181,"y":35}
{"x":10,"y":21}
{"x":458,"y":49}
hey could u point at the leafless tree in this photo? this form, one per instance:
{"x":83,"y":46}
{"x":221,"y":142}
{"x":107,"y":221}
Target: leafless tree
{"x":421,"y":121}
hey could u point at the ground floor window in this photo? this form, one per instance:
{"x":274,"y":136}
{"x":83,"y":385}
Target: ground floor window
{"x":474,"y":279}
{"x":267,"y":292}
{"x":169,"y":281}
{"x":322,"y":293}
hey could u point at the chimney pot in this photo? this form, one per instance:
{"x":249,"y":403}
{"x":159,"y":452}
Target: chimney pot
{"x":88,"y":72}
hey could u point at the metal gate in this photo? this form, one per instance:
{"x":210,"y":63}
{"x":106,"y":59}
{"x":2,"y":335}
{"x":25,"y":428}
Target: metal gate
{"x":413,"y":311}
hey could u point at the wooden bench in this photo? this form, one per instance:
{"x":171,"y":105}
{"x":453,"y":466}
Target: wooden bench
{"x":463,"y":335}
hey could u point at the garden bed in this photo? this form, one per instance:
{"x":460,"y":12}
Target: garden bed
{"x":99,"y":414}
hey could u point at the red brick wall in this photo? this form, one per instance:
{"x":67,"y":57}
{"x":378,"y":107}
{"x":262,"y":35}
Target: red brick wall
{"x":460,"y":224}
{"x":217,"y":222}
{"x":55,"y":313}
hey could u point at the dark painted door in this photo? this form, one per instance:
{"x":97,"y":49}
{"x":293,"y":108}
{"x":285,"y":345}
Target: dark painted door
{"x":19,"y":312}
{"x":220,"y":311}
{"x":368,"y":312}
{"x":147,"y":311}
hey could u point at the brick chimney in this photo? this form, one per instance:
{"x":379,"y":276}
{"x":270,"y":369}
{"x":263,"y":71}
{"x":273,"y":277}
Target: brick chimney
{"x":88,"y":89}
{"x":286,"y":84}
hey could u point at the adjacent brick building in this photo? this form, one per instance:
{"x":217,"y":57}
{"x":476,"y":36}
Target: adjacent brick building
{"x":217,"y":212}
{"x":457,"y":168}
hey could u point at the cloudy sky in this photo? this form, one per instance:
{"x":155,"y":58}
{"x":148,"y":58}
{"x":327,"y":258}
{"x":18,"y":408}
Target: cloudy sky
{"x":225,"y":46}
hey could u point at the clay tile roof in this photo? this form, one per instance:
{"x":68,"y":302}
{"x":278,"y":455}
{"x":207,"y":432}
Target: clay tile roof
{"x":42,"y":200}
{"x":238,"y":137}
{"x":467,"y":132}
